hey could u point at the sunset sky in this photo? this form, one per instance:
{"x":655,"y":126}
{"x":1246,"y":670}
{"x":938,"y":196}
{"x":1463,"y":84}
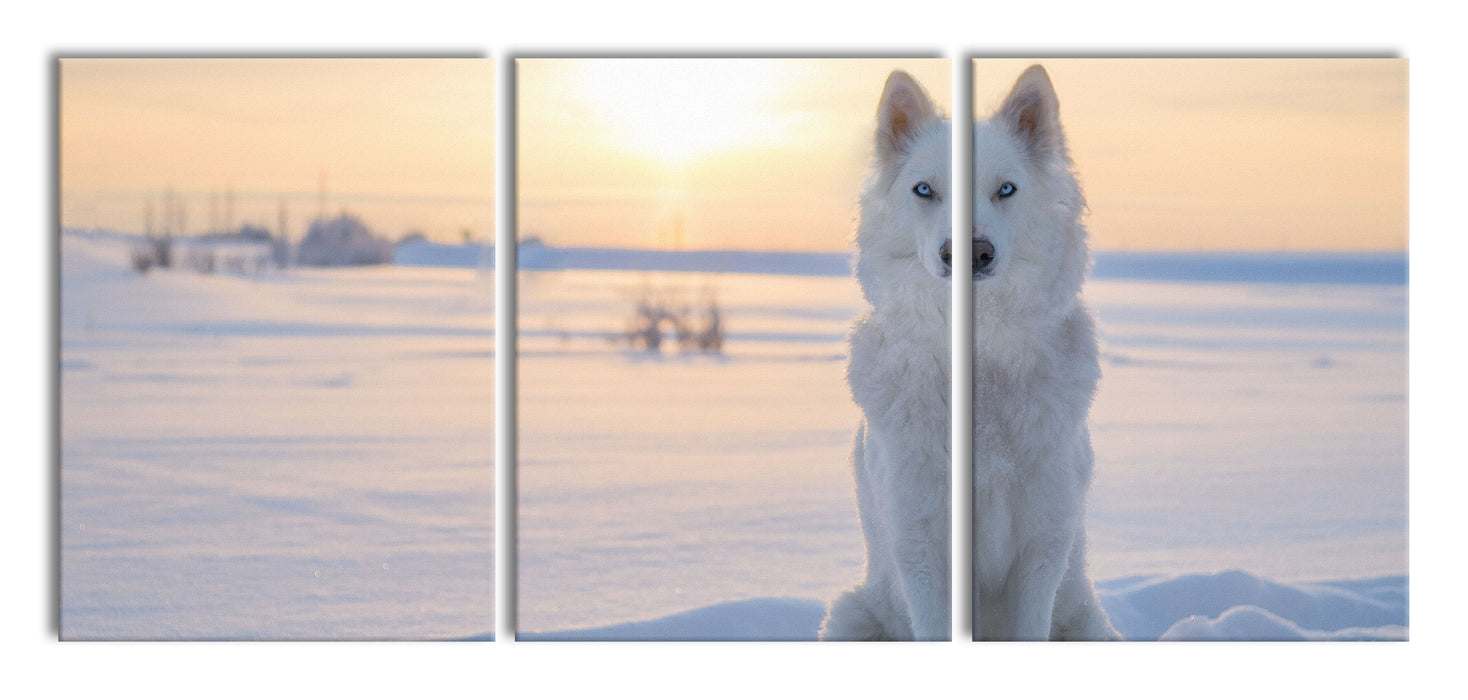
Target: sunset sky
{"x":1210,"y":154}
{"x":1288,"y":154}
{"x":700,"y":154}
{"x":722,"y":153}
{"x":404,"y":143}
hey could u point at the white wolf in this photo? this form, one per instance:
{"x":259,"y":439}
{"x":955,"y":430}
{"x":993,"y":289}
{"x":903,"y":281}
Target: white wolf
{"x":1035,"y":371}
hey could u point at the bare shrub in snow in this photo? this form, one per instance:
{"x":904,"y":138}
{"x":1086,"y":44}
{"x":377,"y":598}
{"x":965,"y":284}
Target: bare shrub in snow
{"x":163,"y":251}
{"x":156,"y":251}
{"x":142,"y":258}
{"x":708,"y":335}
{"x":662,"y":315}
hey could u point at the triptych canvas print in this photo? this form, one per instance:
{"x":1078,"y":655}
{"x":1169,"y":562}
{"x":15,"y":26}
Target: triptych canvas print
{"x":763,"y":386}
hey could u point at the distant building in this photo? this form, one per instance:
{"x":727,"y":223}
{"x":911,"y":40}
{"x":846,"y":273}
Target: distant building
{"x":344,"y":240}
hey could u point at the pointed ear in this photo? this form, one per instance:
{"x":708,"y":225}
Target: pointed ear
{"x":1033,"y":112}
{"x":904,"y":111}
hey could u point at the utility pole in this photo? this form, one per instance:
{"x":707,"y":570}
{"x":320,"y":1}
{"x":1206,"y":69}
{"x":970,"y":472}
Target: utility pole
{"x":283,"y":248}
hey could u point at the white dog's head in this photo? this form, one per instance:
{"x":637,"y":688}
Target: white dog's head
{"x":906,"y":208}
{"x":1029,"y":246}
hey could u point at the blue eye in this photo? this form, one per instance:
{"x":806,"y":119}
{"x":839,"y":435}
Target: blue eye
{"x":1006,"y":189}
{"x":923,"y":190}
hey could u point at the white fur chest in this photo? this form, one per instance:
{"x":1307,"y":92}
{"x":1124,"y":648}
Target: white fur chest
{"x":901,"y":379}
{"x":1032,"y":454}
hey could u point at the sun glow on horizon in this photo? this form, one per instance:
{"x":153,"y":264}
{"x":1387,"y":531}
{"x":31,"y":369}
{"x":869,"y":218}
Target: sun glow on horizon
{"x":677,"y":112}
{"x":713,"y":153}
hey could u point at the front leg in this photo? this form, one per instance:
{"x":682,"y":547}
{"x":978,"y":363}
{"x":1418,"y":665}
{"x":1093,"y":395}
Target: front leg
{"x":910,"y":488}
{"x":926,"y":578}
{"x":1031,"y":588}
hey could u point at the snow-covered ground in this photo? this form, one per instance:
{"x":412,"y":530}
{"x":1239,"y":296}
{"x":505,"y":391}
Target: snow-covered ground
{"x":308,"y":454}
{"x":1250,"y":437}
{"x":295,"y":455}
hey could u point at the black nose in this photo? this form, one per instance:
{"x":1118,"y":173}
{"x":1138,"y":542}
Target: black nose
{"x":983,"y":252}
{"x":983,"y":256}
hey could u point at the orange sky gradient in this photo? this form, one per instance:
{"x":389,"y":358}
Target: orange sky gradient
{"x":404,"y":143}
{"x":1191,"y":154}
{"x":1231,"y":154}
